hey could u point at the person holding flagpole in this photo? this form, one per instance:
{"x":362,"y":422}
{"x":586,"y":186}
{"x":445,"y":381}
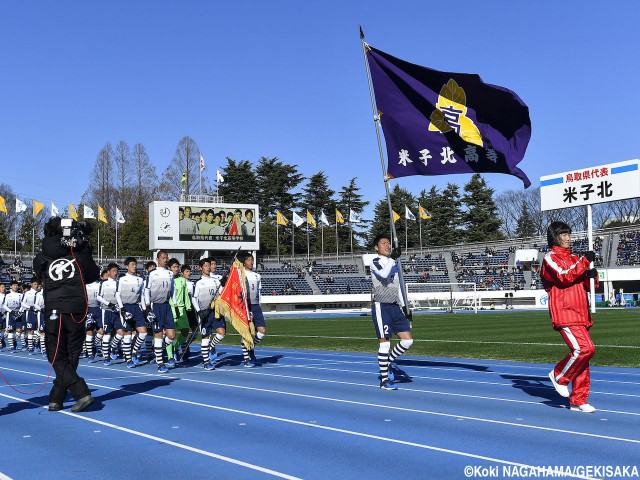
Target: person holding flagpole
{"x":388,"y":309}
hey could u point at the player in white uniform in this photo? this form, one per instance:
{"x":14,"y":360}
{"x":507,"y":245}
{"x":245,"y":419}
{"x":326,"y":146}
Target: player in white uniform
{"x":206,"y":291}
{"x":28,"y":307}
{"x":3,"y":291}
{"x":38,"y":308}
{"x":157,"y":292}
{"x":12,"y":307}
{"x":93,"y":322}
{"x":129,"y":298}
{"x":111,"y":322}
{"x":254,"y":283}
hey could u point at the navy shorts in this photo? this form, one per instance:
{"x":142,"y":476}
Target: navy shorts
{"x":389,"y":319}
{"x":13,"y":323}
{"x":110,"y":321}
{"x":31,"y":320}
{"x":258,"y":317}
{"x":137,"y":319}
{"x":94,"y":318}
{"x":40,"y":317}
{"x":164,"y":317}
{"x":210,"y":324}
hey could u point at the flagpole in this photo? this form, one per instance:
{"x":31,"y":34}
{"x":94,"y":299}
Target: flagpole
{"x":117,"y":239}
{"x":406,"y":230}
{"x":293,"y":241}
{"x":351,"y":234}
{"x":33,"y":241}
{"x":420,"y":224}
{"x":385,"y":177}
{"x":277,"y":239}
{"x":337,"y":244}
{"x":322,"y":239}
{"x":307,"y":236}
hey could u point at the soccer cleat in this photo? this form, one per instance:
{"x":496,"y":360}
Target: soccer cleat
{"x":562,"y":390}
{"x":209,"y":366}
{"x":13,"y":350}
{"x":130,"y":364}
{"x":83,"y":355}
{"x":171,"y":363}
{"x":113,"y":355}
{"x":162,"y":368}
{"x":390,"y":374}
{"x":249,"y":364}
{"x":55,"y":407}
{"x":584,"y":408}
{"x":92,"y":359}
{"x":107,"y":362}
{"x":136,"y":361}
{"x":387,"y":385}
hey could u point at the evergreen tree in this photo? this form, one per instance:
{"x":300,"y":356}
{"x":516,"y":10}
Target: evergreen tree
{"x":318,"y":197}
{"x":276,"y":182}
{"x":525,"y":227}
{"x":133,"y":235}
{"x":481,"y":216}
{"x":351,"y":200}
{"x":445,"y":226}
{"x":399,"y":199}
{"x":239,"y":184}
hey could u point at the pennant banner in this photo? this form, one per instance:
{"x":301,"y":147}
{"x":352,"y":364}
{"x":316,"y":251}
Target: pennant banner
{"x":20,"y":205}
{"x":323,"y":218}
{"x":219,"y":177}
{"x":354,"y":217}
{"x":73,"y":212}
{"x":88,"y":212}
{"x":232,"y":304}
{"x":408,"y":214}
{"x":440,"y":123}
{"x":201,"y":163}
{"x":423,"y":213}
{"x":310,"y":220}
{"x":37,"y":207}
{"x":281,"y":219}
{"x":119,"y":216}
{"x":54,"y":210}
{"x":102,"y":216}
{"x":339,"y":217}
{"x":396,"y":217}
{"x":297,"y":219}
{"x":3,"y":206}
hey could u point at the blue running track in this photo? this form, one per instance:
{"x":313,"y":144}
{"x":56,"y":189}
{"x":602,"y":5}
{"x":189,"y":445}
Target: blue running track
{"x":315,"y":414}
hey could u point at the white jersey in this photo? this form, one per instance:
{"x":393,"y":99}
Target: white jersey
{"x":206,"y":289}
{"x":254,"y":283}
{"x":159,"y":287}
{"x":92,"y":294}
{"x":39,"y":303}
{"x":249,"y":229}
{"x":29,"y":299}
{"x":2,"y":295}
{"x":12,"y":302}
{"x":385,"y":280}
{"x":187,"y":226}
{"x":107,"y":293}
{"x":129,"y":290}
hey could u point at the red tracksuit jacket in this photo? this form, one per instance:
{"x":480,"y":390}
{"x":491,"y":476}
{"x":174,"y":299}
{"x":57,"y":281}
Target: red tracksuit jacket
{"x":564,"y":277}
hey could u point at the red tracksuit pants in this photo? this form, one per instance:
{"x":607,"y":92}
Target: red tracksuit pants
{"x":575,"y":366}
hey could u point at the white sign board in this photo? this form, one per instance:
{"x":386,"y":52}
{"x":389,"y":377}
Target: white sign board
{"x":203,"y":226}
{"x":587,"y":186}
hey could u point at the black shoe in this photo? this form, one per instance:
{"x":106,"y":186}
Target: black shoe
{"x":81,"y":404}
{"x":55,"y":407}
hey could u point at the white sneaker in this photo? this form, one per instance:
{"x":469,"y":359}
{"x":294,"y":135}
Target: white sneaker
{"x":562,"y":390}
{"x":584,"y":408}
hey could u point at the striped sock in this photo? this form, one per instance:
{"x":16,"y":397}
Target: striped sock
{"x":43,"y":344}
{"x":140,"y":338}
{"x":126,"y":347}
{"x":157,"y":350}
{"x":88,"y":345}
{"x":22,"y":342}
{"x":258,"y":339}
{"x":216,"y":340}
{"x":383,"y":360}
{"x":245,"y":353}
{"x":204,"y":347}
{"x":115,"y":342}
{"x":30,"y":342}
{"x":401,"y":347}
{"x":105,"y":346}
{"x":97,"y":340}
{"x":11,"y":339}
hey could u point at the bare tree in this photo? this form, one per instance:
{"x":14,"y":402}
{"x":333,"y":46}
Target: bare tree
{"x":122,"y":164}
{"x":185,"y":163}
{"x":146,"y":175}
{"x":100,"y":189}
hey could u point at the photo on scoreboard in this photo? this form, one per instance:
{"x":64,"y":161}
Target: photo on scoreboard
{"x":209,"y":226}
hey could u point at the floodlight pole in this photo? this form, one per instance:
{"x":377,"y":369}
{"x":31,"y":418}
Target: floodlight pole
{"x":385,"y":176}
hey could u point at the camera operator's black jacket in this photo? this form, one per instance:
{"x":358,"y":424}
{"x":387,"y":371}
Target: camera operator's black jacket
{"x":63,"y":286}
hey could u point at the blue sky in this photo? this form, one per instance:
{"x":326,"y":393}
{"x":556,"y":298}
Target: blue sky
{"x":283,"y":78}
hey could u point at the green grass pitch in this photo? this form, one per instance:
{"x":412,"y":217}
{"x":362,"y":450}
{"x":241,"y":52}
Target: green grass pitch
{"x":519,"y":336}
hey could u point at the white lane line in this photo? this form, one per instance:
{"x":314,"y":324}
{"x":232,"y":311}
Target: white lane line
{"x":4,"y":477}
{"x":164,"y":440}
{"x":289,"y":421}
{"x":373,"y":405}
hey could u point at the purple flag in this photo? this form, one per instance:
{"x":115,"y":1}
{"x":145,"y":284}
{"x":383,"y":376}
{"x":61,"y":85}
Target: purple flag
{"x":440,"y":123}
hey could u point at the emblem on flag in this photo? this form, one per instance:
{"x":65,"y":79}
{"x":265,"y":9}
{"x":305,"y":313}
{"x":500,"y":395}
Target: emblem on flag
{"x":408,"y":214}
{"x":119,"y":216}
{"x":354,"y":217}
{"x":310,"y":220}
{"x":424,"y":215}
{"x":88,"y":212}
{"x":281,"y":219}
{"x":73,"y":212}
{"x":201,"y":163}
{"x":339,"y":217}
{"x":20,"y":205}
{"x":297,"y":219}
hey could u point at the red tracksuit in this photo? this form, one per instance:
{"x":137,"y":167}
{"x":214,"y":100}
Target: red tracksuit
{"x":564,"y":277}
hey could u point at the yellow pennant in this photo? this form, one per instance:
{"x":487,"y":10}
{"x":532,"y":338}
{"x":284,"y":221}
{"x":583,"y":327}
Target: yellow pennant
{"x":102,"y":216}
{"x":37,"y":207}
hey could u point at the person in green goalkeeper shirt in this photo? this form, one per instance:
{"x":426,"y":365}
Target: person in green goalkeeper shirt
{"x":180,"y":307}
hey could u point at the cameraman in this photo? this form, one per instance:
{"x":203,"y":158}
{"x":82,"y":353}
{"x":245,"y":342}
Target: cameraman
{"x":65,"y":265}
